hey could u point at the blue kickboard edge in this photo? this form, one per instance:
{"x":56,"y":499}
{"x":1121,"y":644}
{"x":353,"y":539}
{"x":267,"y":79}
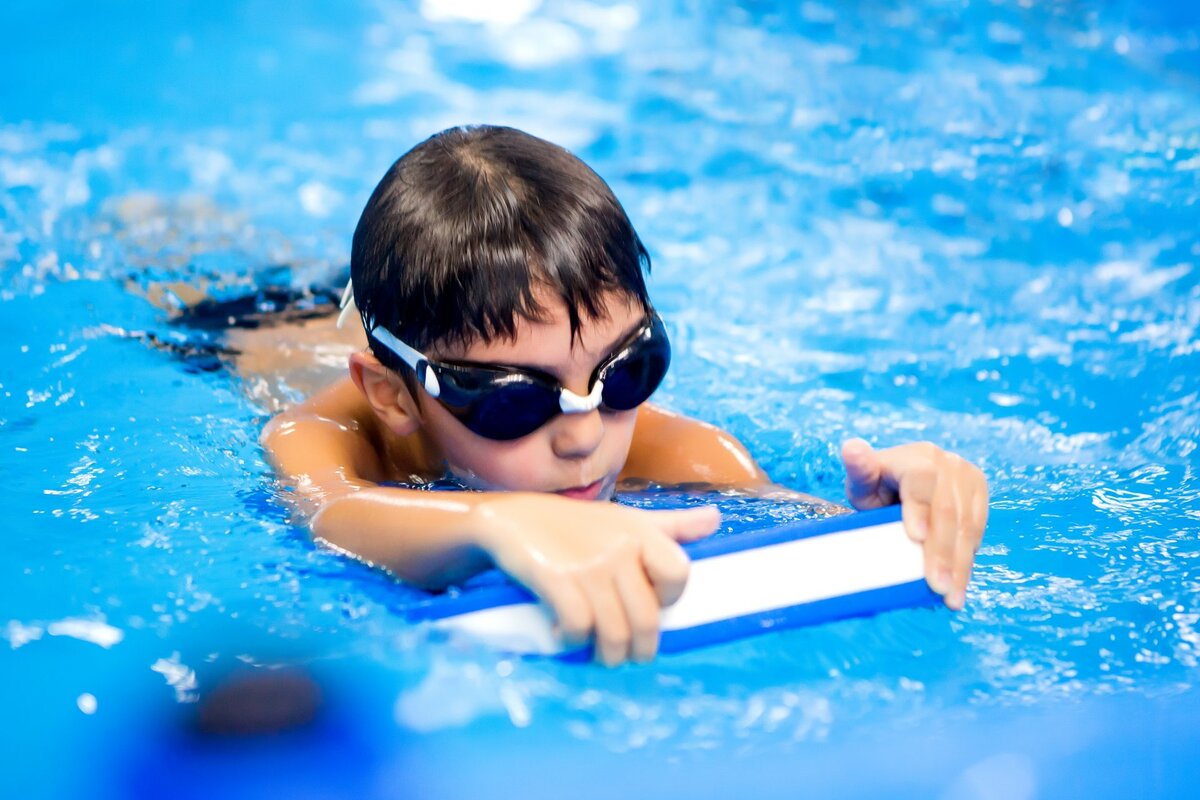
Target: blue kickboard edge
{"x":913,"y":594}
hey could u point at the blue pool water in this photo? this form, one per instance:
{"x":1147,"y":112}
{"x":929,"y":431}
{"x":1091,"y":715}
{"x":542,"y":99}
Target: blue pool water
{"x":974,"y":223}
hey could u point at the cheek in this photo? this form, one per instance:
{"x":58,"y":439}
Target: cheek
{"x":519,"y":465}
{"x":528,"y":463}
{"x":618,"y":434}
{"x":486,"y":464}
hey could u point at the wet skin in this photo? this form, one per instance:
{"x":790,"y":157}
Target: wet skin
{"x":604,"y":570}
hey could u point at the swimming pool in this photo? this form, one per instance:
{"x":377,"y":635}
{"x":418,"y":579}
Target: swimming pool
{"x":970,"y":224}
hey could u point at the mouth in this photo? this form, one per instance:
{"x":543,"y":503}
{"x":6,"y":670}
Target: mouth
{"x":590,"y":492}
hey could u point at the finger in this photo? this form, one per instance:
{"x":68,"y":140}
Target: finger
{"x":688,"y":524}
{"x":571,"y":608}
{"x":667,"y":567}
{"x":945,"y":512}
{"x":979,"y":507}
{"x":641,"y":609}
{"x":863,"y":475}
{"x":974,"y":516}
{"x":611,"y":625}
{"x":917,"y":490}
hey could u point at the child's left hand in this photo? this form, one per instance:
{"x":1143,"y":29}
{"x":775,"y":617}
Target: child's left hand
{"x":944,"y":503}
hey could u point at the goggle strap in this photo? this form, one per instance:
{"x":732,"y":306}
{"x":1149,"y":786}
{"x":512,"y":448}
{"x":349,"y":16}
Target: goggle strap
{"x":411,"y":357}
{"x":347,"y":304}
{"x":571,"y":403}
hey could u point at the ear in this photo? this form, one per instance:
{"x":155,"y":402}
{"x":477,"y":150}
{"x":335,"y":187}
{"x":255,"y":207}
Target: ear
{"x":386,"y":392}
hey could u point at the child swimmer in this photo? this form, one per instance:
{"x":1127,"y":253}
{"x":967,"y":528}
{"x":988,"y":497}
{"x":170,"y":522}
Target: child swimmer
{"x":511,"y":345}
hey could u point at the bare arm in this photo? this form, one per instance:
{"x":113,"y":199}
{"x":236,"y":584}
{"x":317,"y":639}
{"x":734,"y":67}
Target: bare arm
{"x":604,"y":570}
{"x":324,"y":450}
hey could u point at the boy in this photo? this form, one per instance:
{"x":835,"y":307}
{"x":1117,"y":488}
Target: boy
{"x":512,"y":346}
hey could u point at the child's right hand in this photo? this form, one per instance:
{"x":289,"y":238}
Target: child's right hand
{"x":605,"y":570}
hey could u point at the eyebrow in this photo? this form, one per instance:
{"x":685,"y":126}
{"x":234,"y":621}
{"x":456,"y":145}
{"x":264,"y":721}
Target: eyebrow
{"x":608,"y":351}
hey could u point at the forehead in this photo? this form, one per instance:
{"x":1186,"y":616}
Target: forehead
{"x":548,"y":343}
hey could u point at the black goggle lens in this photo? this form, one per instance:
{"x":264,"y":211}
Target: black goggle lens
{"x":504,"y":405}
{"x":511,"y":411}
{"x":629,"y":381}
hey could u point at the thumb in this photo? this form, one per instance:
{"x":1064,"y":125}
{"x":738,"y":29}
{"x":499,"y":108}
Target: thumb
{"x":863,"y":474}
{"x":688,"y":524}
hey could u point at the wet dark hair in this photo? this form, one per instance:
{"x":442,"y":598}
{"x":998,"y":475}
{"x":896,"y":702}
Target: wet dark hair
{"x":466,"y":226}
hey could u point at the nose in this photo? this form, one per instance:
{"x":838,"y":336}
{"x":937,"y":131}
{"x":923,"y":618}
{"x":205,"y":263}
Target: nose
{"x":576,"y":435}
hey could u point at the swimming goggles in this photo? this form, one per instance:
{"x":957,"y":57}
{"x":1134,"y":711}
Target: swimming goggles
{"x":503,"y":403}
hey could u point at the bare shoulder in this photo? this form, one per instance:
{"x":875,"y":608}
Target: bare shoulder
{"x":670,"y":448}
{"x":339,"y":402}
{"x":330,"y":443}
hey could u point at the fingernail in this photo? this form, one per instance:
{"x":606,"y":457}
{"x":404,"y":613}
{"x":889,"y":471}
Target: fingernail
{"x":919,"y":531}
{"x":958,"y":600}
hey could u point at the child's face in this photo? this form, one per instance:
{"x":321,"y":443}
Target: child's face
{"x":584,"y":452}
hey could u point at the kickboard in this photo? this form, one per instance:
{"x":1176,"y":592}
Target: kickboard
{"x":791,"y":575}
